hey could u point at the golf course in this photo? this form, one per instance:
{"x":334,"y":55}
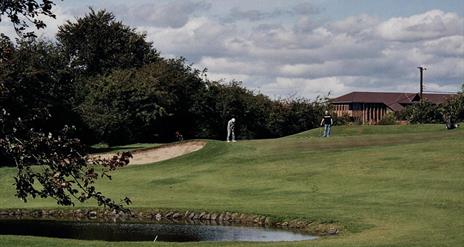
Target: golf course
{"x":383,"y":185}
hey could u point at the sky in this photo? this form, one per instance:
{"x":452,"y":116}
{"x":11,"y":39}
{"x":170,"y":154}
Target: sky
{"x":300,"y":48}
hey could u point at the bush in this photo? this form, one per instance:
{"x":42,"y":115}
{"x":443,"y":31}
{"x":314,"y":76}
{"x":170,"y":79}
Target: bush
{"x":344,"y":119}
{"x":388,"y":119}
{"x":454,"y":108}
{"x":423,"y":112}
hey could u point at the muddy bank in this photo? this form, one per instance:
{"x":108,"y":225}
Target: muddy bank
{"x":175,"y":216}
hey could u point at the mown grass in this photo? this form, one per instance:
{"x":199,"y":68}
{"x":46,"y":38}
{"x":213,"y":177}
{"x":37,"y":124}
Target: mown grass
{"x":388,"y":185}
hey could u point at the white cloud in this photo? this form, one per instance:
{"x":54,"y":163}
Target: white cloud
{"x":288,"y":52}
{"x":445,"y":70}
{"x":306,"y":8}
{"x":173,"y":14}
{"x":237,"y":14}
{"x":198,"y":37}
{"x":446,"y":46}
{"x":339,"y":56}
{"x":435,"y":87}
{"x":355,"y":25}
{"x":229,"y":66}
{"x":429,"y":25}
{"x":306,"y":24}
{"x":284,"y":87}
{"x":7,"y":30}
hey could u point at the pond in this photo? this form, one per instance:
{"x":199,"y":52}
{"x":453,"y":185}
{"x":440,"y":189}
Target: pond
{"x":145,"y":231}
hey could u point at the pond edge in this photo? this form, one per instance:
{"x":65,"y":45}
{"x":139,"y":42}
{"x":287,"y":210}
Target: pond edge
{"x":316,"y":228}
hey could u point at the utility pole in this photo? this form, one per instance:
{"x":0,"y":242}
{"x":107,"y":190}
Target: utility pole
{"x":421,"y":81}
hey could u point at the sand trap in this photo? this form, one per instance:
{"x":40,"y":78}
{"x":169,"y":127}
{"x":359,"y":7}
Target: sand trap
{"x":164,"y":152}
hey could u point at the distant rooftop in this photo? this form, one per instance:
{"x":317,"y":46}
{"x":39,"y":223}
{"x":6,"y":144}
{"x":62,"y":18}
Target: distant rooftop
{"x":395,"y":101}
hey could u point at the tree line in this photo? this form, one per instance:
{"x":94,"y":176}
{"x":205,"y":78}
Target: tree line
{"x":105,"y":79}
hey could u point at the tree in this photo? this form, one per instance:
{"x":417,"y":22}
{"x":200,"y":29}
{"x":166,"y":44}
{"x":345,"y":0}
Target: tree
{"x":423,"y":112}
{"x":144,"y":104}
{"x":6,"y":48}
{"x":36,"y":76}
{"x":121,"y":107}
{"x":220,"y":102}
{"x":185,"y":98}
{"x":97,"y":43}
{"x":50,"y":161}
{"x":453,"y":108}
{"x":21,"y":13}
{"x":291,"y":116}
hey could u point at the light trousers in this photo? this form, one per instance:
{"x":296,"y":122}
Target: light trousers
{"x":230,"y":133}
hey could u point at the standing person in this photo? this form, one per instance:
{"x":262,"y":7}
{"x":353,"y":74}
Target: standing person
{"x":179,"y":136}
{"x":327,"y":121}
{"x":230,"y":130}
{"x":450,"y":123}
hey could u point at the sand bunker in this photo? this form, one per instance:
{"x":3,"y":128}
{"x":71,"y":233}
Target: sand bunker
{"x":164,"y":152}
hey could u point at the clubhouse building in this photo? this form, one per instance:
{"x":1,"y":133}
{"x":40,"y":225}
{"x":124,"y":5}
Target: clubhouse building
{"x":371,"y":107}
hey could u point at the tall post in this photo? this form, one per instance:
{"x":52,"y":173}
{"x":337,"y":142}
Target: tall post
{"x":421,"y":69}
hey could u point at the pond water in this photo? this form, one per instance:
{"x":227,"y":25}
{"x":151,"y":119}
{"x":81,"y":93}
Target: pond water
{"x":145,"y":231}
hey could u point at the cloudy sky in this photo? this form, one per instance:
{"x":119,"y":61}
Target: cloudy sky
{"x":301,"y":48}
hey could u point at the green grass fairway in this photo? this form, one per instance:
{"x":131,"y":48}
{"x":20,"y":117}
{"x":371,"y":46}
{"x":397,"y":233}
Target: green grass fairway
{"x":387,"y":185}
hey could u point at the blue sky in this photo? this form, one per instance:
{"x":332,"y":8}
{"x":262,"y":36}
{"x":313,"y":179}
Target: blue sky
{"x":301,"y":48}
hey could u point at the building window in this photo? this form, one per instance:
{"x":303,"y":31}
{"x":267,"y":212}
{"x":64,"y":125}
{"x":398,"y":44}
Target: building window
{"x":355,"y":107}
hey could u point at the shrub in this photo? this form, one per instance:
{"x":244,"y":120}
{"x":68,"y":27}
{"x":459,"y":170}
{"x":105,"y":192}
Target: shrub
{"x":423,"y":112}
{"x":388,"y":119}
{"x":344,"y":119}
{"x":454,"y":108}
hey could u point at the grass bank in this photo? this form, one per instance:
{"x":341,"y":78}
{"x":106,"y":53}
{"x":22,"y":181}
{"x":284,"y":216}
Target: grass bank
{"x":388,"y":185}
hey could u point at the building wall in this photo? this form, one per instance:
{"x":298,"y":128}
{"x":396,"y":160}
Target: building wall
{"x":366,"y":113}
{"x":342,"y":109}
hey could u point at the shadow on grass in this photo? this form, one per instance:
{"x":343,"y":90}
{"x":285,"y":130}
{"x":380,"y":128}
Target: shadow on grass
{"x":113,"y":149}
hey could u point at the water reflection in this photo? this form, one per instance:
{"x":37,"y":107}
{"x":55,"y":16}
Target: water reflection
{"x":145,"y":231}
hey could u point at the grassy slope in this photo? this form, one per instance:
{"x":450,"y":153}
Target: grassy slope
{"x":389,"y":185}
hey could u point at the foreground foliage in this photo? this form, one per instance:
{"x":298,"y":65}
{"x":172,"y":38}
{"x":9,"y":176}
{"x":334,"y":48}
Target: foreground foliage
{"x":36,"y":99}
{"x":66,"y":175}
{"x":23,"y":13}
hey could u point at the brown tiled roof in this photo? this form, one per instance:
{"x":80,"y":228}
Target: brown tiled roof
{"x":375,"y":97}
{"x":396,"y":107}
{"x":395,"y":101}
{"x":437,"y":98}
